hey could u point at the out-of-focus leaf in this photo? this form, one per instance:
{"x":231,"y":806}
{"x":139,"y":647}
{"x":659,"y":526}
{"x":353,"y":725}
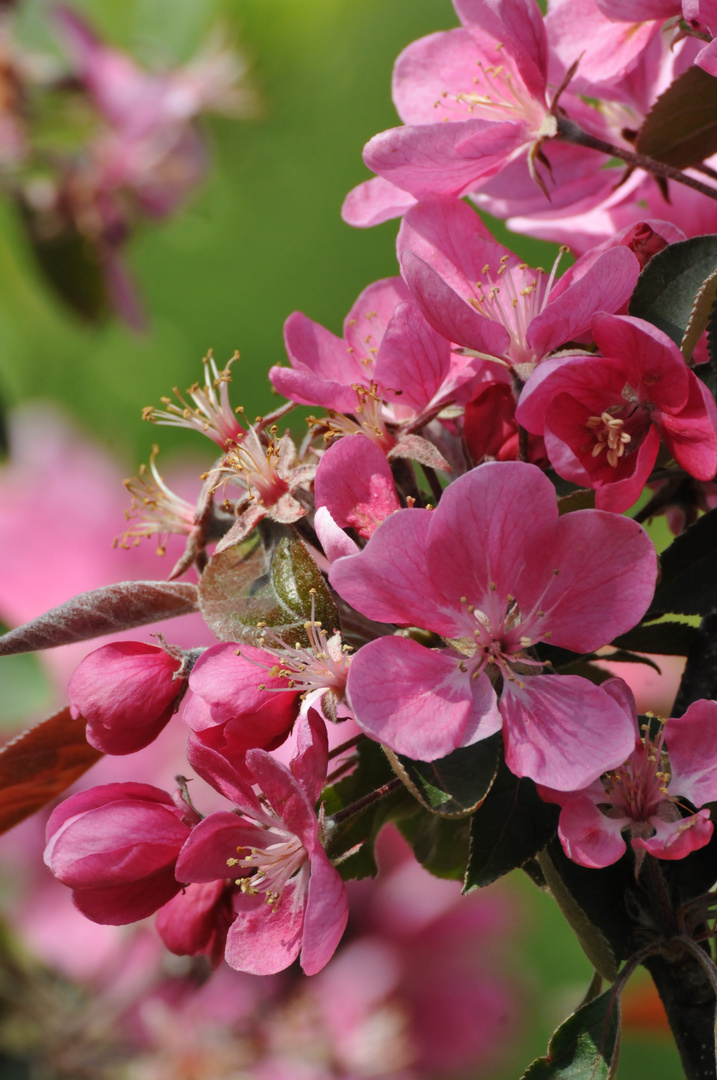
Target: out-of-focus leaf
{"x":73,"y":269}
{"x":666,"y":289}
{"x":708,"y":372}
{"x":256,"y":585}
{"x":664,"y":639}
{"x":455,"y":785}
{"x":360,"y":831}
{"x":681,"y":127}
{"x":593,"y":902}
{"x":102,"y":611}
{"x":512,"y":825}
{"x":581,"y":499}
{"x":688,"y":585}
{"x":586,"y":1046}
{"x":39,"y":764}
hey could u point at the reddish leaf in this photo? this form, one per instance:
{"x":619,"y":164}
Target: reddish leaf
{"x":102,"y":611}
{"x":39,"y":764}
{"x":681,"y":127}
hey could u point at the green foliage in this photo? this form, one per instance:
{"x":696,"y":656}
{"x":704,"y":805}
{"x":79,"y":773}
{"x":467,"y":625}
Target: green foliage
{"x":665,"y":639}
{"x":440,"y":844}
{"x":666,"y":289}
{"x":512,"y":825}
{"x":359,"y":832}
{"x":456,"y":785}
{"x":586,"y":1046}
{"x":681,"y":127}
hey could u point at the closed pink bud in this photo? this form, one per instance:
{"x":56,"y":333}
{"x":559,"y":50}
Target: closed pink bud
{"x":116,"y":847}
{"x":127,"y":692}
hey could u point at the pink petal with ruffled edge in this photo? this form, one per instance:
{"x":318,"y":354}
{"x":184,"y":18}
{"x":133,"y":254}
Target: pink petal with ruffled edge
{"x":654,"y":365}
{"x":263,"y":940}
{"x":563,"y":731}
{"x":374,"y":202}
{"x":286,"y":797}
{"x":355,"y":482}
{"x":310,"y":761}
{"x":692,"y":749}
{"x":607,"y":568}
{"x":676,"y":839}
{"x":588,"y":836}
{"x":690,"y":435}
{"x":412,"y":359}
{"x":519,"y":26}
{"x":390,"y":580}
{"x":449,"y":314}
{"x":327,"y":912}
{"x":418,"y":701}
{"x":483,"y":531}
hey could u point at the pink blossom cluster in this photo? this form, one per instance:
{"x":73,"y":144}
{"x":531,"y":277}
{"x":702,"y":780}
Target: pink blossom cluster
{"x":130,"y":148}
{"x":436,"y":564}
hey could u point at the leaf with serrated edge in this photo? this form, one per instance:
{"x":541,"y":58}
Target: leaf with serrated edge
{"x":453,"y":786}
{"x":699,"y":316}
{"x":102,"y":611}
{"x":512,"y":825}
{"x":681,"y":127}
{"x":39,"y":764}
{"x":666,"y":289}
{"x":586,"y":1046}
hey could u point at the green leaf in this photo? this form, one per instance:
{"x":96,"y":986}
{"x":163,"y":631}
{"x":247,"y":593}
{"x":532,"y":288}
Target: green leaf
{"x":360,"y":831}
{"x":456,"y":785}
{"x":664,"y":639}
{"x":702,"y":309}
{"x":264,"y":583}
{"x":580,"y":499}
{"x":586,"y":1046}
{"x":441,"y":845}
{"x":512,"y":825}
{"x":688,"y":585}
{"x":708,"y":372}
{"x":666,"y":289}
{"x":681,"y":127}
{"x":72,"y":267}
{"x":593,"y":902}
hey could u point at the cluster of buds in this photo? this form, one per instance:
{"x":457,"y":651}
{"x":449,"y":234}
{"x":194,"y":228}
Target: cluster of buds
{"x":128,"y":149}
{"x":435,"y":568}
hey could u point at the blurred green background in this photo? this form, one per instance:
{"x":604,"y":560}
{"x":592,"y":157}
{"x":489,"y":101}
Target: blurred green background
{"x":262,"y":238}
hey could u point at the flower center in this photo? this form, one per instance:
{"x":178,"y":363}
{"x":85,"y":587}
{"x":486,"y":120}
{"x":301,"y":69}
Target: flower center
{"x":638,"y":788}
{"x":155,"y":508}
{"x":498,"y":93}
{"x":610,"y":436}
{"x":513,"y":297}
{"x":271,"y":866}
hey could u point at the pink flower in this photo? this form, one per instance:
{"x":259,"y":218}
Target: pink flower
{"x":127,"y":692}
{"x":355,"y":482}
{"x":491,"y":429}
{"x":291,"y":899}
{"x":602,"y":417}
{"x":493,"y":570}
{"x":115,"y":846}
{"x":644,"y":797}
{"x":479,"y":295}
{"x":472,"y":100}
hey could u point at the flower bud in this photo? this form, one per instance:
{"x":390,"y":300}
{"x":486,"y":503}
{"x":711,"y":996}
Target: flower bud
{"x":116,"y":847}
{"x":127,"y":692}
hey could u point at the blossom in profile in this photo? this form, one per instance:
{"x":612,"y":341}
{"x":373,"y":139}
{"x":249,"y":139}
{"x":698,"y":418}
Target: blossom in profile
{"x":290,"y":901}
{"x":493,"y":570}
{"x":644,"y":800}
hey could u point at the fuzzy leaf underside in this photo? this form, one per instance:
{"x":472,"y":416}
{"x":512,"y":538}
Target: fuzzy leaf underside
{"x":103,"y":611}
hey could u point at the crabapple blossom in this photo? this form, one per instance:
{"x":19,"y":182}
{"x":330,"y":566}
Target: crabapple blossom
{"x":127,"y":692}
{"x":290,"y":899}
{"x":643,"y":798}
{"x":479,"y":295}
{"x":116,"y":847}
{"x":602,"y":417}
{"x":355,"y":483}
{"x":494,"y":570}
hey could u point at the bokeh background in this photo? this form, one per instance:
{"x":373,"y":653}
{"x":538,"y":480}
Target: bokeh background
{"x":261,"y":238}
